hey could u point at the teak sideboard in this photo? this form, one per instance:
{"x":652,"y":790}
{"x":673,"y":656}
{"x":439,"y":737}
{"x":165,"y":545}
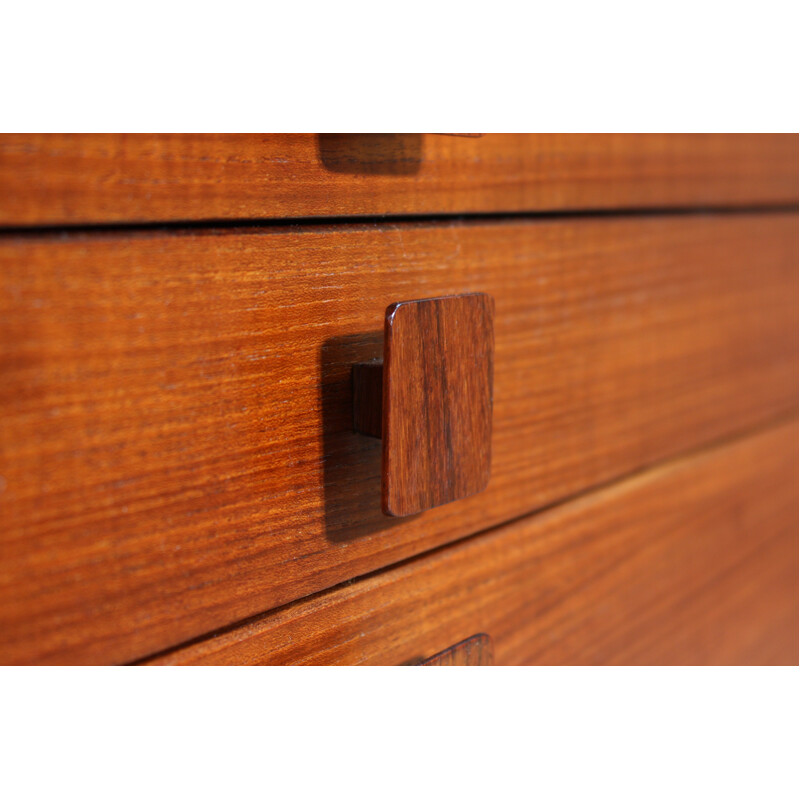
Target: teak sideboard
{"x":399,"y":399}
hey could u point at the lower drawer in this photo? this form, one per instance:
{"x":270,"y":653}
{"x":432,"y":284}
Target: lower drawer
{"x":693,"y":562}
{"x":177,"y":449}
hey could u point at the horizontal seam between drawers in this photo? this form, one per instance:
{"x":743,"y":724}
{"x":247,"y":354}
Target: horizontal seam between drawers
{"x":353,"y":221}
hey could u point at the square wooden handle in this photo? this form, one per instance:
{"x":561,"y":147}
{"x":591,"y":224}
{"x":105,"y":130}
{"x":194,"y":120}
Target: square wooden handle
{"x":430,"y":400}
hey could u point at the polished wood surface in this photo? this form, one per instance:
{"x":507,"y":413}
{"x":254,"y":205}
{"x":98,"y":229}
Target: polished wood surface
{"x":177,"y":447}
{"x":476,"y":651}
{"x":56,"y":179}
{"x":692,"y":562}
{"x":430,"y":400}
{"x":437,"y":401}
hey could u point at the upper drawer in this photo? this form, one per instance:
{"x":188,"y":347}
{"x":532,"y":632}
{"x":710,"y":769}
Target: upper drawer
{"x":177,"y":449}
{"x":53,"y":179}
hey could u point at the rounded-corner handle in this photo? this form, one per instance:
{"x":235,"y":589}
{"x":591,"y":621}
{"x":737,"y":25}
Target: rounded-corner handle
{"x":430,"y":401}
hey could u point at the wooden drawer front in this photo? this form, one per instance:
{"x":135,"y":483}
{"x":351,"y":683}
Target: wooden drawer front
{"x":694,"y":562}
{"x":177,"y":445}
{"x":53,"y":179}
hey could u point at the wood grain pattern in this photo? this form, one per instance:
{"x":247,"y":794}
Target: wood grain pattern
{"x":693,"y":562}
{"x":55,"y":179}
{"x":473,"y":652}
{"x":177,"y":447}
{"x":437,"y":402}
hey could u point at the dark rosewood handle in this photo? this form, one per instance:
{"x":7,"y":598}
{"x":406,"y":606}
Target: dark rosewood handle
{"x":430,"y":400}
{"x":477,"y":651}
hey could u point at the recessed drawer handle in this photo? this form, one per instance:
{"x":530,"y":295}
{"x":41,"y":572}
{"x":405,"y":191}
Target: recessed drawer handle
{"x":430,"y":400}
